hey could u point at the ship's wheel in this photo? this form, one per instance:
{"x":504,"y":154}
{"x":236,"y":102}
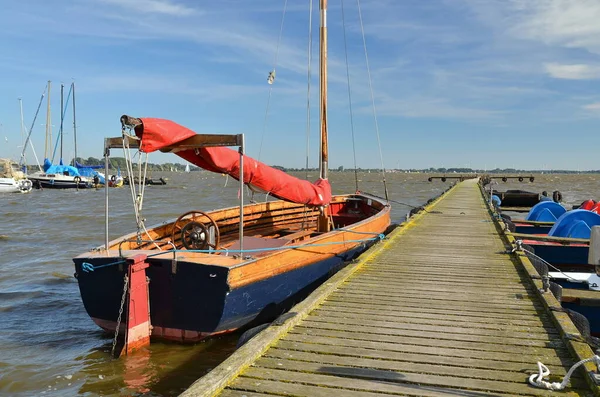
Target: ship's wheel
{"x":193,"y":233}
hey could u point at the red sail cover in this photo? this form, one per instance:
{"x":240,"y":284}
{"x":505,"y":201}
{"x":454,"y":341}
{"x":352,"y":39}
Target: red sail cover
{"x":159,"y":133}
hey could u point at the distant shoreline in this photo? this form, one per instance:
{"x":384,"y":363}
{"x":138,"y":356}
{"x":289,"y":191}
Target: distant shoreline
{"x":119,"y":163}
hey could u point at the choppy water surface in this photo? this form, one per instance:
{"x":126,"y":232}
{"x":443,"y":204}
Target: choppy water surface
{"x":48,"y":344}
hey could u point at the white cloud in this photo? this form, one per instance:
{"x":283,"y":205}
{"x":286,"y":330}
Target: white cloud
{"x":164,"y":7}
{"x":593,"y":107}
{"x":573,"y":72}
{"x":568,"y":23}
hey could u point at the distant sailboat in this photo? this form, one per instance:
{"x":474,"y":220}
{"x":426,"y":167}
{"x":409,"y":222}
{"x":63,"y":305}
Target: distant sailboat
{"x":59,"y":176}
{"x":187,"y":168}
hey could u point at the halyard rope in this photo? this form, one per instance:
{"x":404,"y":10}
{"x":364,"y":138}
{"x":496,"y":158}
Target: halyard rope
{"x":271,"y":80}
{"x":309,"y":73}
{"x":350,"y":98}
{"x":138,"y":198}
{"x":362,"y":29}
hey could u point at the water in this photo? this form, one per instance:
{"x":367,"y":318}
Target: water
{"x":48,"y":344}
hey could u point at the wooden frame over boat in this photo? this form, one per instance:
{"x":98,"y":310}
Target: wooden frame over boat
{"x":195,"y":142}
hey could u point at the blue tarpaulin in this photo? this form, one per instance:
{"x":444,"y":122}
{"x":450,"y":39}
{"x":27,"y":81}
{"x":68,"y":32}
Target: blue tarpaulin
{"x":49,"y":168}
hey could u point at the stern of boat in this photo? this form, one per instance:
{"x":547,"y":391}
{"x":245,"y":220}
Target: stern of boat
{"x":186,"y":299}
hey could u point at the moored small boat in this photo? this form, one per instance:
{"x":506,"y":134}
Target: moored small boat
{"x":13,"y":180}
{"x":59,"y":177}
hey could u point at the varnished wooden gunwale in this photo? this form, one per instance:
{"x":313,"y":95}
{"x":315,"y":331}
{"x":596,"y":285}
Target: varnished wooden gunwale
{"x":259,"y":219}
{"x":313,"y":250}
{"x":316,"y":249}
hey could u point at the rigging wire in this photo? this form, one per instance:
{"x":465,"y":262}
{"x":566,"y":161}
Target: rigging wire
{"x":310,"y":42}
{"x":271,"y":79}
{"x":62,"y":117}
{"x":350,"y":98}
{"x":309,"y":75}
{"x":136,"y":196}
{"x":362,"y":29}
{"x":28,"y":140}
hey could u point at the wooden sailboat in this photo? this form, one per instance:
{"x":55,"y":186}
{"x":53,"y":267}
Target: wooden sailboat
{"x":206,"y":273}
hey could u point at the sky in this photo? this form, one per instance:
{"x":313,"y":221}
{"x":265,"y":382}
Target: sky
{"x":455,"y":83}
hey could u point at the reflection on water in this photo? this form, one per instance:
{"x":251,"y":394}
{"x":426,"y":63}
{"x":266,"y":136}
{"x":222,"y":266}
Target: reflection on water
{"x":48,"y":344}
{"x":161,"y":369}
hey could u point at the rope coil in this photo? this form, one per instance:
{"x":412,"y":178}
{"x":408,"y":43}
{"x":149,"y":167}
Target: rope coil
{"x":537,"y":380}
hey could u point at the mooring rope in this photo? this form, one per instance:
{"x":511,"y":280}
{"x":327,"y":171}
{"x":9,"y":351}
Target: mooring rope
{"x":537,"y":380}
{"x":519,"y":247}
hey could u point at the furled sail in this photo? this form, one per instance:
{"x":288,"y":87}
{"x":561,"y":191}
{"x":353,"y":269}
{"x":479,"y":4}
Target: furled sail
{"x":156,"y":134}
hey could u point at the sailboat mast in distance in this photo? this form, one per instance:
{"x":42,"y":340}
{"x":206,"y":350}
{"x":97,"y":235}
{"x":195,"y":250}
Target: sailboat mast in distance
{"x":323,"y":164}
{"x":48,"y":122}
{"x":62,"y":93}
{"x":74,"y":124}
{"x":22,"y":131}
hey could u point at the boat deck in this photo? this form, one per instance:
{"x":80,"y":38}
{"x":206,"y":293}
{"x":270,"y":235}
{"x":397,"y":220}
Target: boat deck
{"x":439,"y":308}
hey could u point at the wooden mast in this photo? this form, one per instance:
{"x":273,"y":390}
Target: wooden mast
{"x":323,"y":222}
{"x":323,"y":164}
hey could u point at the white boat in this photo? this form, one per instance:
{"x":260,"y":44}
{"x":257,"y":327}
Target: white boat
{"x":11,"y":179}
{"x":59,"y":177}
{"x":187,"y":168}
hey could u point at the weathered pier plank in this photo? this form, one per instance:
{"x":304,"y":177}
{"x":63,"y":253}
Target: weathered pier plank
{"x":440,"y":308}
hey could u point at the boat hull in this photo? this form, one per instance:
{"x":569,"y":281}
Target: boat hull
{"x":199,"y":294}
{"x":59,"y":183}
{"x":531,"y":229}
{"x":572,"y":257}
{"x":10,"y":185}
{"x":588,"y":306}
{"x":197,"y":301}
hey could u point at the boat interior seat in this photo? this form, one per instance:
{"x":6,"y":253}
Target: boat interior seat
{"x":297,"y":235}
{"x":259,"y":243}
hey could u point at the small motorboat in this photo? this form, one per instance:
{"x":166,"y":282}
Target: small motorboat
{"x":12,"y":180}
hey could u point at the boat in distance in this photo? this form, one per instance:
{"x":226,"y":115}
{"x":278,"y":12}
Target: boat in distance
{"x":13,"y":180}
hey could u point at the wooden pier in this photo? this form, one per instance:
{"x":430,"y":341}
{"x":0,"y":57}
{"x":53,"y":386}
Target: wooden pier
{"x":440,"y":308}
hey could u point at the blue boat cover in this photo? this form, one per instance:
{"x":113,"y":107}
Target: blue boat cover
{"x":496,"y":200}
{"x":575,"y":224}
{"x":87,"y":172}
{"x":94,"y":167}
{"x":545,"y":211}
{"x":49,"y":168}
